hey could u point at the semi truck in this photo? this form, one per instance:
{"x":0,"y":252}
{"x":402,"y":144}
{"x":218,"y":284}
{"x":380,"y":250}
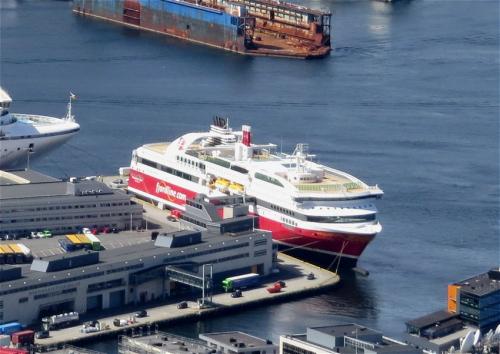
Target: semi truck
{"x":240,"y":282}
{"x":60,"y":321}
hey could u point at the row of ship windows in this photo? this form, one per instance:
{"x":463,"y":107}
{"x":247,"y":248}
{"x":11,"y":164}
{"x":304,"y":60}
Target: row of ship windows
{"x":70,"y":217}
{"x":192,"y":178}
{"x":324,"y":219}
{"x":190,"y":162}
{"x":59,"y":207}
{"x":282,"y":210}
{"x":289,"y":222}
{"x":168,"y":170}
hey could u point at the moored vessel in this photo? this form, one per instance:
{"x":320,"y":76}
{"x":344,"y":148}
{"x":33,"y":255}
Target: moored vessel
{"x":252,"y":27}
{"x":24,"y":136}
{"x":315,"y":212}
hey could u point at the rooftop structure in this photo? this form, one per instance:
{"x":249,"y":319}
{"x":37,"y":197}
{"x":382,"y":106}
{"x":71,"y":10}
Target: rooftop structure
{"x":209,"y":343}
{"x":32,"y":201}
{"x":238,"y":342}
{"x":162,"y":343}
{"x":345,"y":338}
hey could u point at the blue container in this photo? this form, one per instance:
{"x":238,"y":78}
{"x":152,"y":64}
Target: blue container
{"x":9,"y":328}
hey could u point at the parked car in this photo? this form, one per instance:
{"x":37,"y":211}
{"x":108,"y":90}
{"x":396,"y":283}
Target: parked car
{"x":117,"y":322}
{"x":141,"y":313}
{"x":42,"y":334}
{"x":236,"y":293}
{"x":311,"y":276}
{"x":89,"y":329}
{"x":115,"y":230}
{"x":182,"y":305}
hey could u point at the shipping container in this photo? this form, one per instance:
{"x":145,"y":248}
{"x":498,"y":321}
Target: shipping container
{"x":13,"y":351}
{"x":94,"y":242}
{"x":11,"y":327}
{"x":241,"y":281}
{"x":23,"y":337}
{"x":14,"y":253}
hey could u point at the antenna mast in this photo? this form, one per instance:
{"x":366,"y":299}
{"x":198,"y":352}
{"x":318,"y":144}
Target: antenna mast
{"x":69,"y":116}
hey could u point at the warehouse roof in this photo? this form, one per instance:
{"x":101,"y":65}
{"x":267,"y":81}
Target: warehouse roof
{"x":482,"y":284}
{"x":23,"y":177}
{"x":431,"y":319}
{"x":117,"y":259}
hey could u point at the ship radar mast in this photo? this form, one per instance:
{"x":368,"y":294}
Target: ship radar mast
{"x":301,"y":154}
{"x":69,"y":116}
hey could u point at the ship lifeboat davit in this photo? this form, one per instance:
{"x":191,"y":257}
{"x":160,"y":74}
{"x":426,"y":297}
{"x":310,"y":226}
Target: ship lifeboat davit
{"x":236,"y":188}
{"x":222,"y":184}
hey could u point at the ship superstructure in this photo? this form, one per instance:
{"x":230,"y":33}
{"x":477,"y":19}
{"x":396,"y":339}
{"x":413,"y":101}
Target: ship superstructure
{"x":25,"y":135}
{"x":316,"y":212}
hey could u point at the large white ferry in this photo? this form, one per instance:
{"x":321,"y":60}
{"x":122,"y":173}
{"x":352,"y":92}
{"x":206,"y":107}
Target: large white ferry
{"x":25,"y":135}
{"x":315,"y":212}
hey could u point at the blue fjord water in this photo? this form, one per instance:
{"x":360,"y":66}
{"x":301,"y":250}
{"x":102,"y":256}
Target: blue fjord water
{"x":408,"y":99}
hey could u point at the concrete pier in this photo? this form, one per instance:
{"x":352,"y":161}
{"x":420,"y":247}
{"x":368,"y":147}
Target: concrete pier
{"x":293,"y":271}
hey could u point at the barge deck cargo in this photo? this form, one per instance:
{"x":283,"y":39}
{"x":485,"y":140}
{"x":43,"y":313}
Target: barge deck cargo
{"x":252,"y":27}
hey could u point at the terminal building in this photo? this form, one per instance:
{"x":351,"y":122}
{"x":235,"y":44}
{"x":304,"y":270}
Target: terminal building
{"x":32,"y":202}
{"x":345,"y":338}
{"x":473,"y":304}
{"x":477,"y":300}
{"x":85,"y":281}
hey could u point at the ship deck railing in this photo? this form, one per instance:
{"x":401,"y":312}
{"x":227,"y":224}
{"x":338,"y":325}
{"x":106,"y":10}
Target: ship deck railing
{"x":34,"y":118}
{"x":327,"y":188}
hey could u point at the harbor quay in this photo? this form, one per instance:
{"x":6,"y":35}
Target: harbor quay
{"x":293,"y":271}
{"x":155,"y":270}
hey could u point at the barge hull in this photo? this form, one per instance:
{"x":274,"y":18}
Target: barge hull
{"x":199,"y":24}
{"x":193,"y":23}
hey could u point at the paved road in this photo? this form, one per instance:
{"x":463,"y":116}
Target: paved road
{"x":293,"y":271}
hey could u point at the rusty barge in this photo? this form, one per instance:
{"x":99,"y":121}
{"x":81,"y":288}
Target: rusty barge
{"x":251,"y":27}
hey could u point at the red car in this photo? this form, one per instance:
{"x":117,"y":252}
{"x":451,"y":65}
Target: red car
{"x":276,"y":288}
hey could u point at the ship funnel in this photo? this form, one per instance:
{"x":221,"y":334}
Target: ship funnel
{"x":247,"y":135}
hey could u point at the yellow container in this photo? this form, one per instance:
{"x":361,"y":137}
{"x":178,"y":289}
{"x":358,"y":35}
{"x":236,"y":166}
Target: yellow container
{"x":15,"y":248}
{"x":73,"y":239}
{"x":6,"y":249}
{"x":83,"y":239}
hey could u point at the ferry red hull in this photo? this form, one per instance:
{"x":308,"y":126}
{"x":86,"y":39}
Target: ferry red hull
{"x":317,"y":247}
